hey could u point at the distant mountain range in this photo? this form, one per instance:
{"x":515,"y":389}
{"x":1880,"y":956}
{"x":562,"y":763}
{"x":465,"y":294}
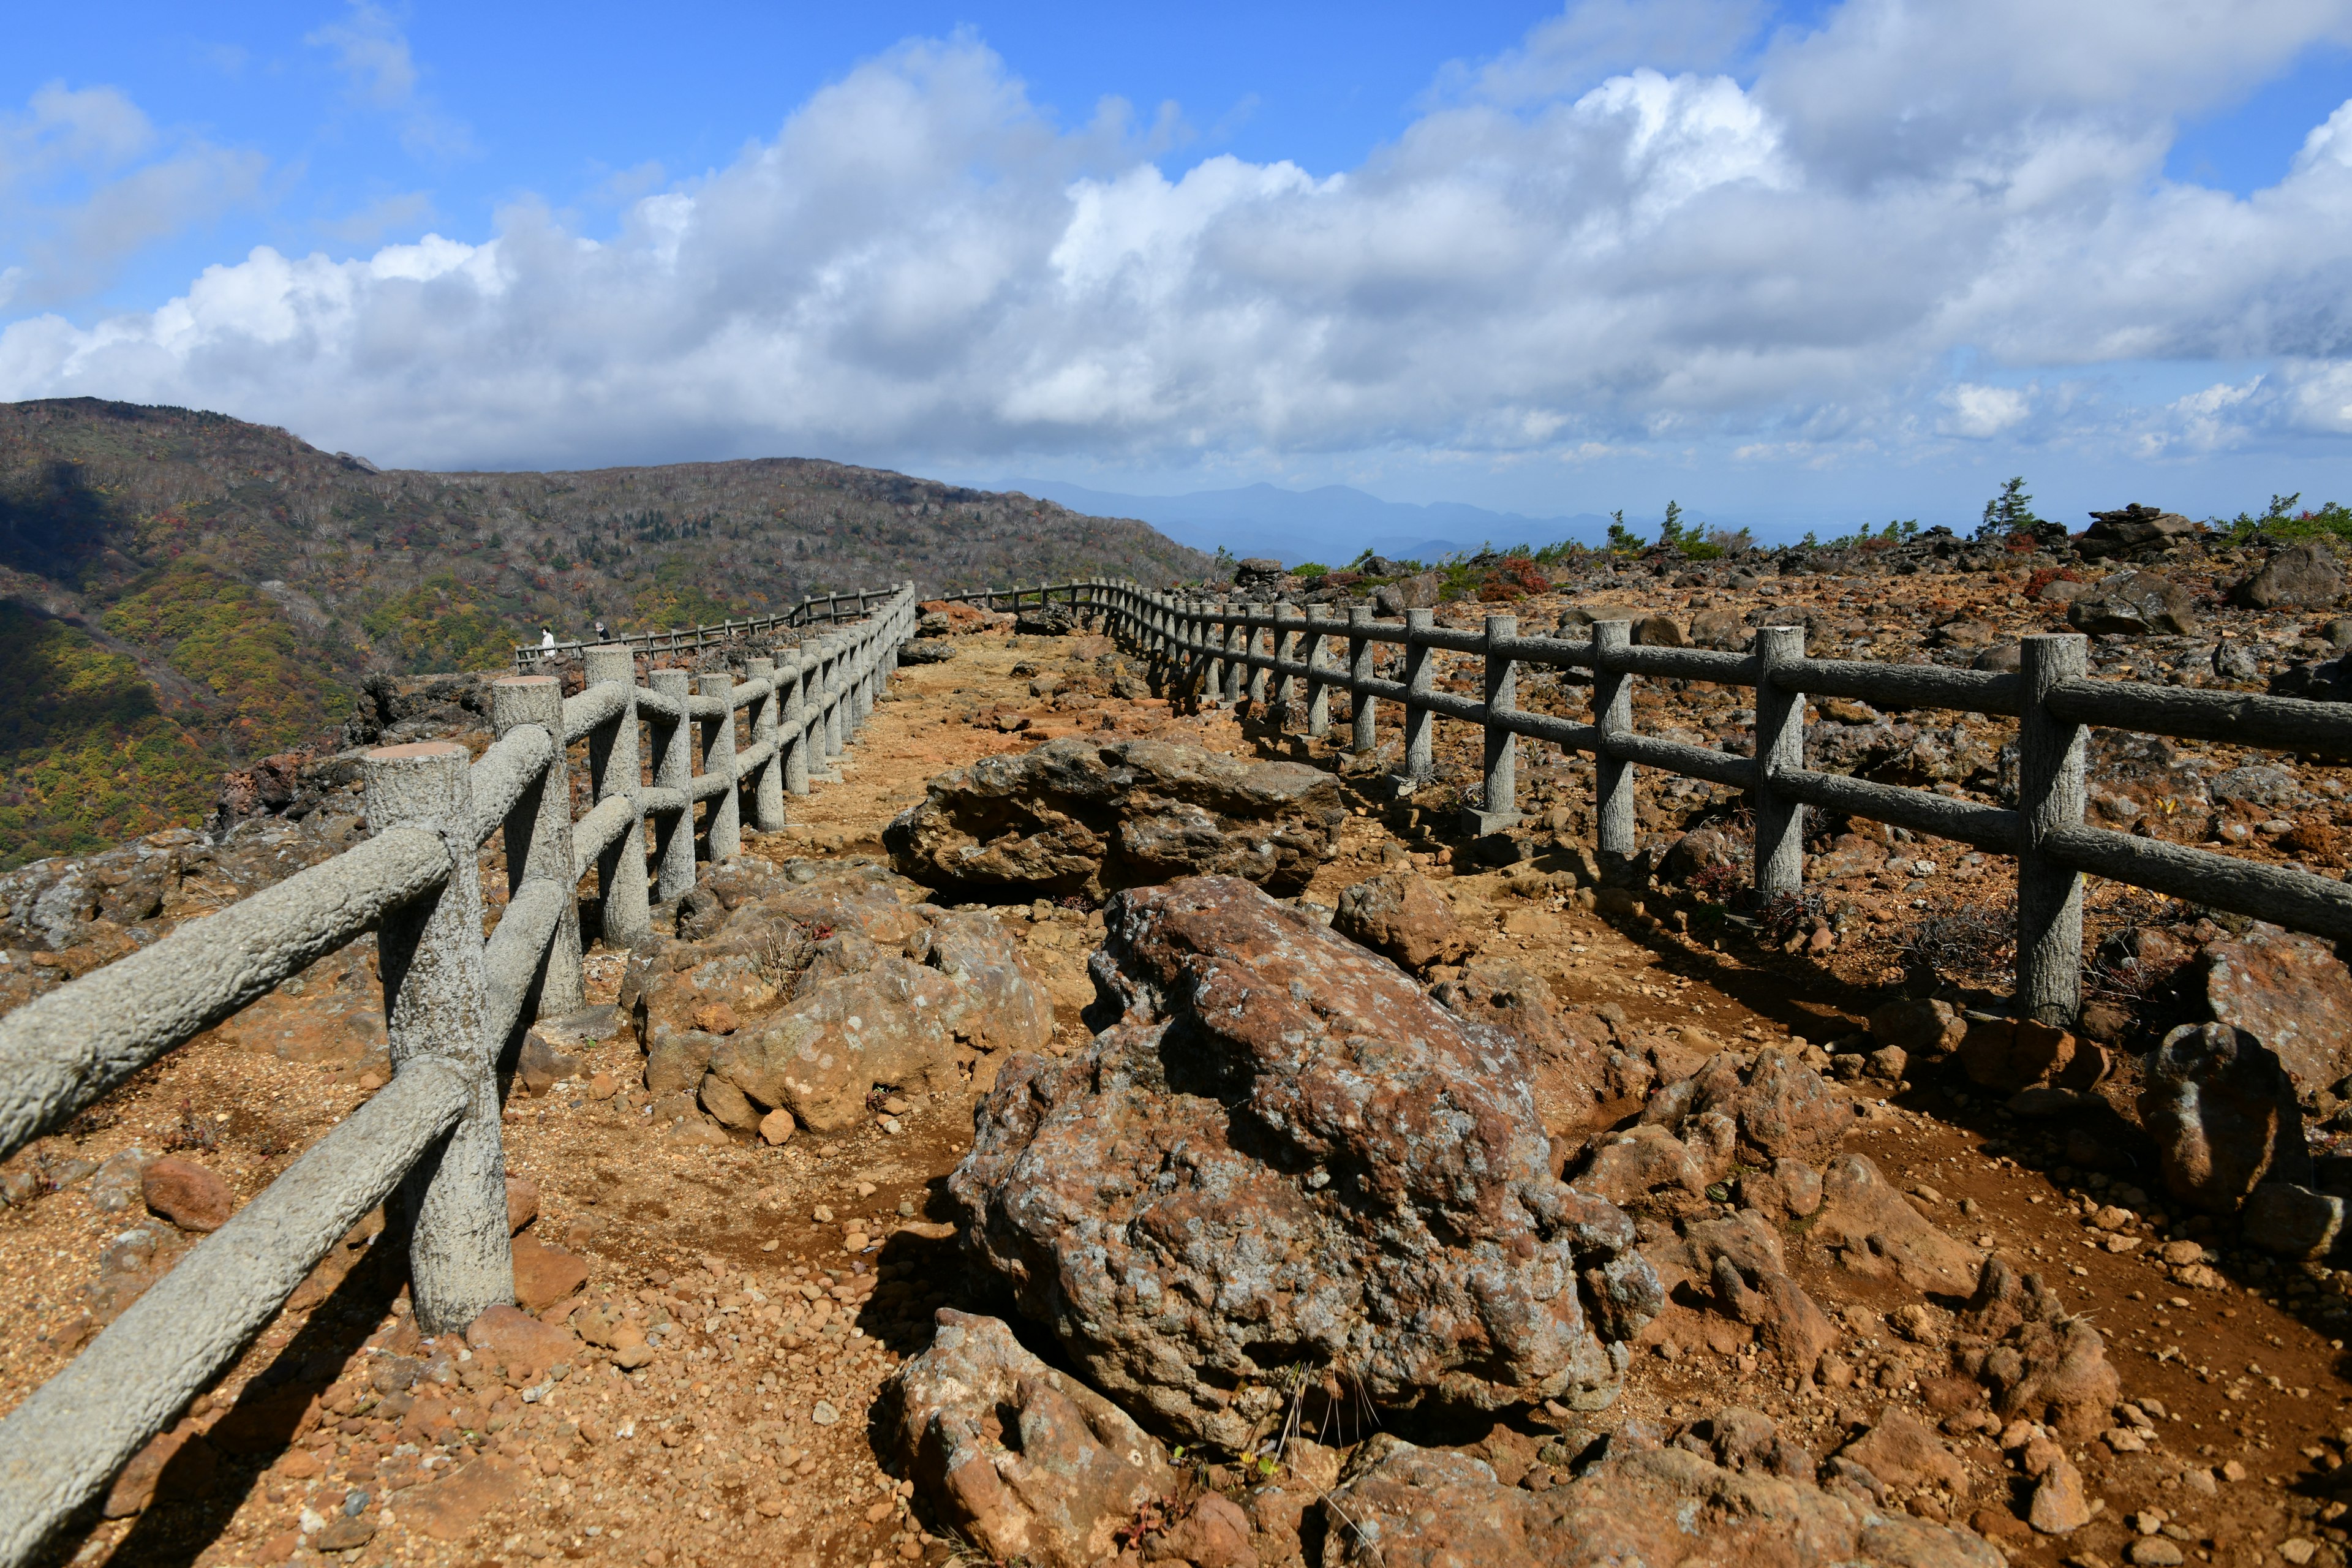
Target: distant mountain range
{"x":1333,"y":523}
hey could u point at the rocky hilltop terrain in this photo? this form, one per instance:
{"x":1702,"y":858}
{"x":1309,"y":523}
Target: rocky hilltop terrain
{"x":1109,"y":1127}
{"x":181,"y":592}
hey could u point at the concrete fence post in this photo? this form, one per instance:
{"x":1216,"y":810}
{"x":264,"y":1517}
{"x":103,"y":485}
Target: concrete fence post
{"x":1318,"y":689}
{"x":1238,"y":645}
{"x":539,"y":835}
{"x":674,"y":770}
{"x":1419,"y":684}
{"x":1286,"y":633}
{"x":1500,"y":746}
{"x":1613,"y":714}
{"x":724,"y":832}
{"x":792,"y":671}
{"x":436,"y":1008}
{"x":1259,"y":642}
{"x":613,"y":769}
{"x":2050,"y":792}
{"x":767,"y":783}
{"x":1361,"y":653}
{"x":1779,"y":847}
{"x":833,"y":651}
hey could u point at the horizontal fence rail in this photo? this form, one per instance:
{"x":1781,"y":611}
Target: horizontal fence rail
{"x":828,"y":607}
{"x":1231,"y":651}
{"x":455,"y":1004}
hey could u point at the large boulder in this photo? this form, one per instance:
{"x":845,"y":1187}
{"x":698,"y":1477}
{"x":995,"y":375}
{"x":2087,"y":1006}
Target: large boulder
{"x":2137,"y":603}
{"x":1284,"y":1152}
{"x":813,"y":986}
{"x":1075,"y":816}
{"x":2290,"y":992}
{"x":1403,"y":1507}
{"x":2302,"y":576}
{"x":1568,"y":1065}
{"x":2222,"y":1113}
{"x":1030,"y":1465}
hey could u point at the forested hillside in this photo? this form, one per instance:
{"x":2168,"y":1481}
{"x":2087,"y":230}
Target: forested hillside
{"x":181,"y":592}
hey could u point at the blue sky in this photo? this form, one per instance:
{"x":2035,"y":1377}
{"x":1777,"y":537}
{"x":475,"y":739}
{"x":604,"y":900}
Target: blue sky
{"x":1799,"y":266}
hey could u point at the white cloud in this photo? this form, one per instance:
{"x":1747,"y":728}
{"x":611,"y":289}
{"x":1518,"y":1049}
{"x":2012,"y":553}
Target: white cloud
{"x":919,"y":266}
{"x":373,"y":55}
{"x":1979,"y":413}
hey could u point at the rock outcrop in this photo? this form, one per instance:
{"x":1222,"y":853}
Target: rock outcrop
{"x":2038,"y":1363}
{"x":1402,"y":1507}
{"x":1075,"y":816}
{"x":1284,"y":1153}
{"x":807,"y":995}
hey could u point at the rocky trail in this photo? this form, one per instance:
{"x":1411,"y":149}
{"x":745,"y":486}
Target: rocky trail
{"x":1107,"y":1129}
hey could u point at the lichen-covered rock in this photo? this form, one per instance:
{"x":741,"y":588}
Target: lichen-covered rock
{"x":1076,"y":816}
{"x":2222,"y":1113}
{"x":1402,"y":1507}
{"x":1284,"y":1152}
{"x":1031,"y":1465}
{"x":2038,"y":1363}
{"x":806,"y":992}
{"x":2290,"y":992}
{"x":1403,"y":916}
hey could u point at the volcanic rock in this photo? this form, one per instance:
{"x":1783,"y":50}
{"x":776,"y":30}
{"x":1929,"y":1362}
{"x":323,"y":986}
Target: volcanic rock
{"x":2222,"y":1113}
{"x":2290,"y":992}
{"x":2137,"y":603}
{"x":2038,"y":1362}
{"x":1285,"y":1143}
{"x":2133,"y":531}
{"x":1030,"y":1464}
{"x":1403,"y":916}
{"x":1868,"y":1228}
{"x":1402,"y":1507}
{"x":1074,"y":816}
{"x":2304,"y":576}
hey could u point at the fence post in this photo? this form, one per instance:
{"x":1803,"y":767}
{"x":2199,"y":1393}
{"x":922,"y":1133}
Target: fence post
{"x":1286,"y":619}
{"x":436,"y":1005}
{"x":1780,"y":847}
{"x":1362,"y":650}
{"x":2049,"y":798}
{"x":1613,"y":713}
{"x":1318,"y":690}
{"x":724,"y":832}
{"x":837,"y":738}
{"x":1420,"y":683}
{"x":613,"y":769}
{"x":674,"y":770}
{"x":768,"y":784}
{"x":1260,"y":681}
{"x":791,"y":669}
{"x":1501,"y":746}
{"x":539,"y":835}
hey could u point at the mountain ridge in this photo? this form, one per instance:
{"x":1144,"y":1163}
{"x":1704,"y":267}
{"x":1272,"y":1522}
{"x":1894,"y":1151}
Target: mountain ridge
{"x":217,"y":587}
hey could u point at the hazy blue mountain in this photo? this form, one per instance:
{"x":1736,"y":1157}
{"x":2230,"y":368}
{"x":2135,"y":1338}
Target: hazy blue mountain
{"x":1334,"y":523}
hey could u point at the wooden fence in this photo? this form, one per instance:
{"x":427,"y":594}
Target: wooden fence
{"x":455,"y":1004}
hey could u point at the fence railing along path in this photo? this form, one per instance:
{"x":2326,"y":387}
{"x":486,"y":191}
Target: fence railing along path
{"x":1237,"y":650}
{"x":455,"y":1004}
{"x":829,"y":608}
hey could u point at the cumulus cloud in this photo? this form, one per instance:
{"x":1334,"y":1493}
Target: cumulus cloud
{"x":1774,"y":244}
